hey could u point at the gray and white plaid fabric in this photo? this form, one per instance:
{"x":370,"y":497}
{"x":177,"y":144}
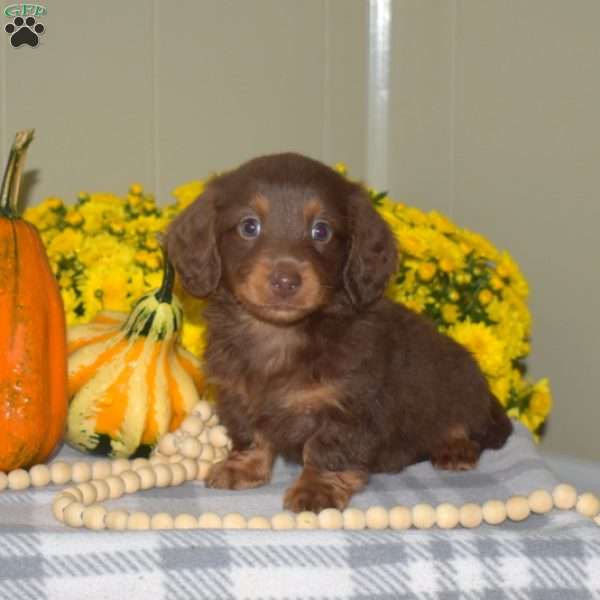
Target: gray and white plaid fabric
{"x":556,"y":556}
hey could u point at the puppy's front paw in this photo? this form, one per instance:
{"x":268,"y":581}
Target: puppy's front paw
{"x":315,"y":495}
{"x":238,"y":472}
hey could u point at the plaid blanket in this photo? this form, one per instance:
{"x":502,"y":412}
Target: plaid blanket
{"x":556,"y":556}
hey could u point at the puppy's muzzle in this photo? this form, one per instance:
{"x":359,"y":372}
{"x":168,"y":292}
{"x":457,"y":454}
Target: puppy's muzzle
{"x":285,"y":280}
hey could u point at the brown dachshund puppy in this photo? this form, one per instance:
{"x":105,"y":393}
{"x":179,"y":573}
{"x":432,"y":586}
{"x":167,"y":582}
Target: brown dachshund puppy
{"x":310,"y":360}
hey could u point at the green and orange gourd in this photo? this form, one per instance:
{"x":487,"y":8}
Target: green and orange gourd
{"x":33,"y":353}
{"x":130,"y":381}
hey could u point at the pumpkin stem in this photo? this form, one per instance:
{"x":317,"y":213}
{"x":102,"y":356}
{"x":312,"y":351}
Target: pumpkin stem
{"x":165,"y":292}
{"x":11,"y":182}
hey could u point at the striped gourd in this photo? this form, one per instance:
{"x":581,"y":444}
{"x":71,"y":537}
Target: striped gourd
{"x":130,"y":381}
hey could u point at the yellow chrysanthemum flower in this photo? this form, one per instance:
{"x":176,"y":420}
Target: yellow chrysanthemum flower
{"x":42,"y":215}
{"x":187,"y":193}
{"x":426,"y":271}
{"x":65,"y":243}
{"x":450,"y":313}
{"x":440,"y":222}
{"x":540,"y":402}
{"x":488,"y":350}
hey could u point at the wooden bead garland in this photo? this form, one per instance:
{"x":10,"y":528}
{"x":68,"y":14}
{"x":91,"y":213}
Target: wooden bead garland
{"x":188,"y":454}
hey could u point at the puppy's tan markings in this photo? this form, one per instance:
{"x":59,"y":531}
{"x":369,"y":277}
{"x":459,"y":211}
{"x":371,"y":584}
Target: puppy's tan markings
{"x":314,"y":397}
{"x":316,"y":490}
{"x":275,"y":346}
{"x":255,"y":286}
{"x":244,"y":469}
{"x":312,"y":292}
{"x":312,"y":208}
{"x":261,"y":205}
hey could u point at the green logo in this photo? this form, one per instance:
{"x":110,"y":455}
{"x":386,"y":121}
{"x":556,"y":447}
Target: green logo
{"x":25,"y":10}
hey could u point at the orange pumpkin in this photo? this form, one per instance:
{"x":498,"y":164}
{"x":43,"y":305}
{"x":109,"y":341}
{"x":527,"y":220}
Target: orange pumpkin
{"x":33,"y":354}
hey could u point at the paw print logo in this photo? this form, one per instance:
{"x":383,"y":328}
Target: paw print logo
{"x":24,"y":31}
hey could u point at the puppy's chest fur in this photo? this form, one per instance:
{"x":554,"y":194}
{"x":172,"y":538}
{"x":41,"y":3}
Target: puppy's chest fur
{"x":276,"y":373}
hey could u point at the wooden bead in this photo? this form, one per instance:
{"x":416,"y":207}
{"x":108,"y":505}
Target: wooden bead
{"x":94,"y":517}
{"x":203,"y":410}
{"x":73,"y":514}
{"x":203,"y":437}
{"x":207,"y":453}
{"x":192,"y":425}
{"x":494,"y":512}
{"x":564,"y":496}
{"x":138,"y":521}
{"x":423,"y":516}
{"x":158,"y":459}
{"x":283,"y":520}
{"x":191,"y":468}
{"x":101,"y":469}
{"x":209,"y":520}
{"x":540,"y":502}
{"x":60,"y":472}
{"x":517,"y":508}
{"x":102,"y":489}
{"x":354,"y":518}
{"x":120,"y":465}
{"x":214,"y":420}
{"x":139,"y":463}
{"x":3,"y":481}
{"x":234,"y":521}
{"x":74,"y":492}
{"x":588,"y":505}
{"x":330,"y":518}
{"x":203,"y":470}
{"x":185,"y":521}
{"x":147,"y":477}
{"x":82,"y":472}
{"x":59,"y":504}
{"x":88,"y":493}
{"x":163,"y":475}
{"x":116,"y":487}
{"x":400,"y":517}
{"x":470,"y":515}
{"x":131,"y":481}
{"x":178,"y":474}
{"x":377,"y":517}
{"x":307,"y":520}
{"x":161,"y":521}
{"x":446,"y":516}
{"x":168,"y":444}
{"x":259,"y":523}
{"x":218,"y":437}
{"x":18,"y":479}
{"x":175,"y":458}
{"x":117,"y":520}
{"x":39,"y":475}
{"x":190,"y":447}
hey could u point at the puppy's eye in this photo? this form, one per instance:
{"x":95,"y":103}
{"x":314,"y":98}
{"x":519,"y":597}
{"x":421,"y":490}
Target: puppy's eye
{"x":249,"y":228}
{"x":321,"y":231}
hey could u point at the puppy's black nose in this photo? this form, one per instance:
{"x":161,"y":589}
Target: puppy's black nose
{"x":285,"y":281}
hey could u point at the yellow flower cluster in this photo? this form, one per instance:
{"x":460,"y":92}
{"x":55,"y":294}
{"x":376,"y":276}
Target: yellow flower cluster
{"x":105,"y":252}
{"x":474,"y":293}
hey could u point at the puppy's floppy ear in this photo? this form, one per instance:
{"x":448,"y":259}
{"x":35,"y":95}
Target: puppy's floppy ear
{"x":372,"y":257}
{"x":191,"y":245}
